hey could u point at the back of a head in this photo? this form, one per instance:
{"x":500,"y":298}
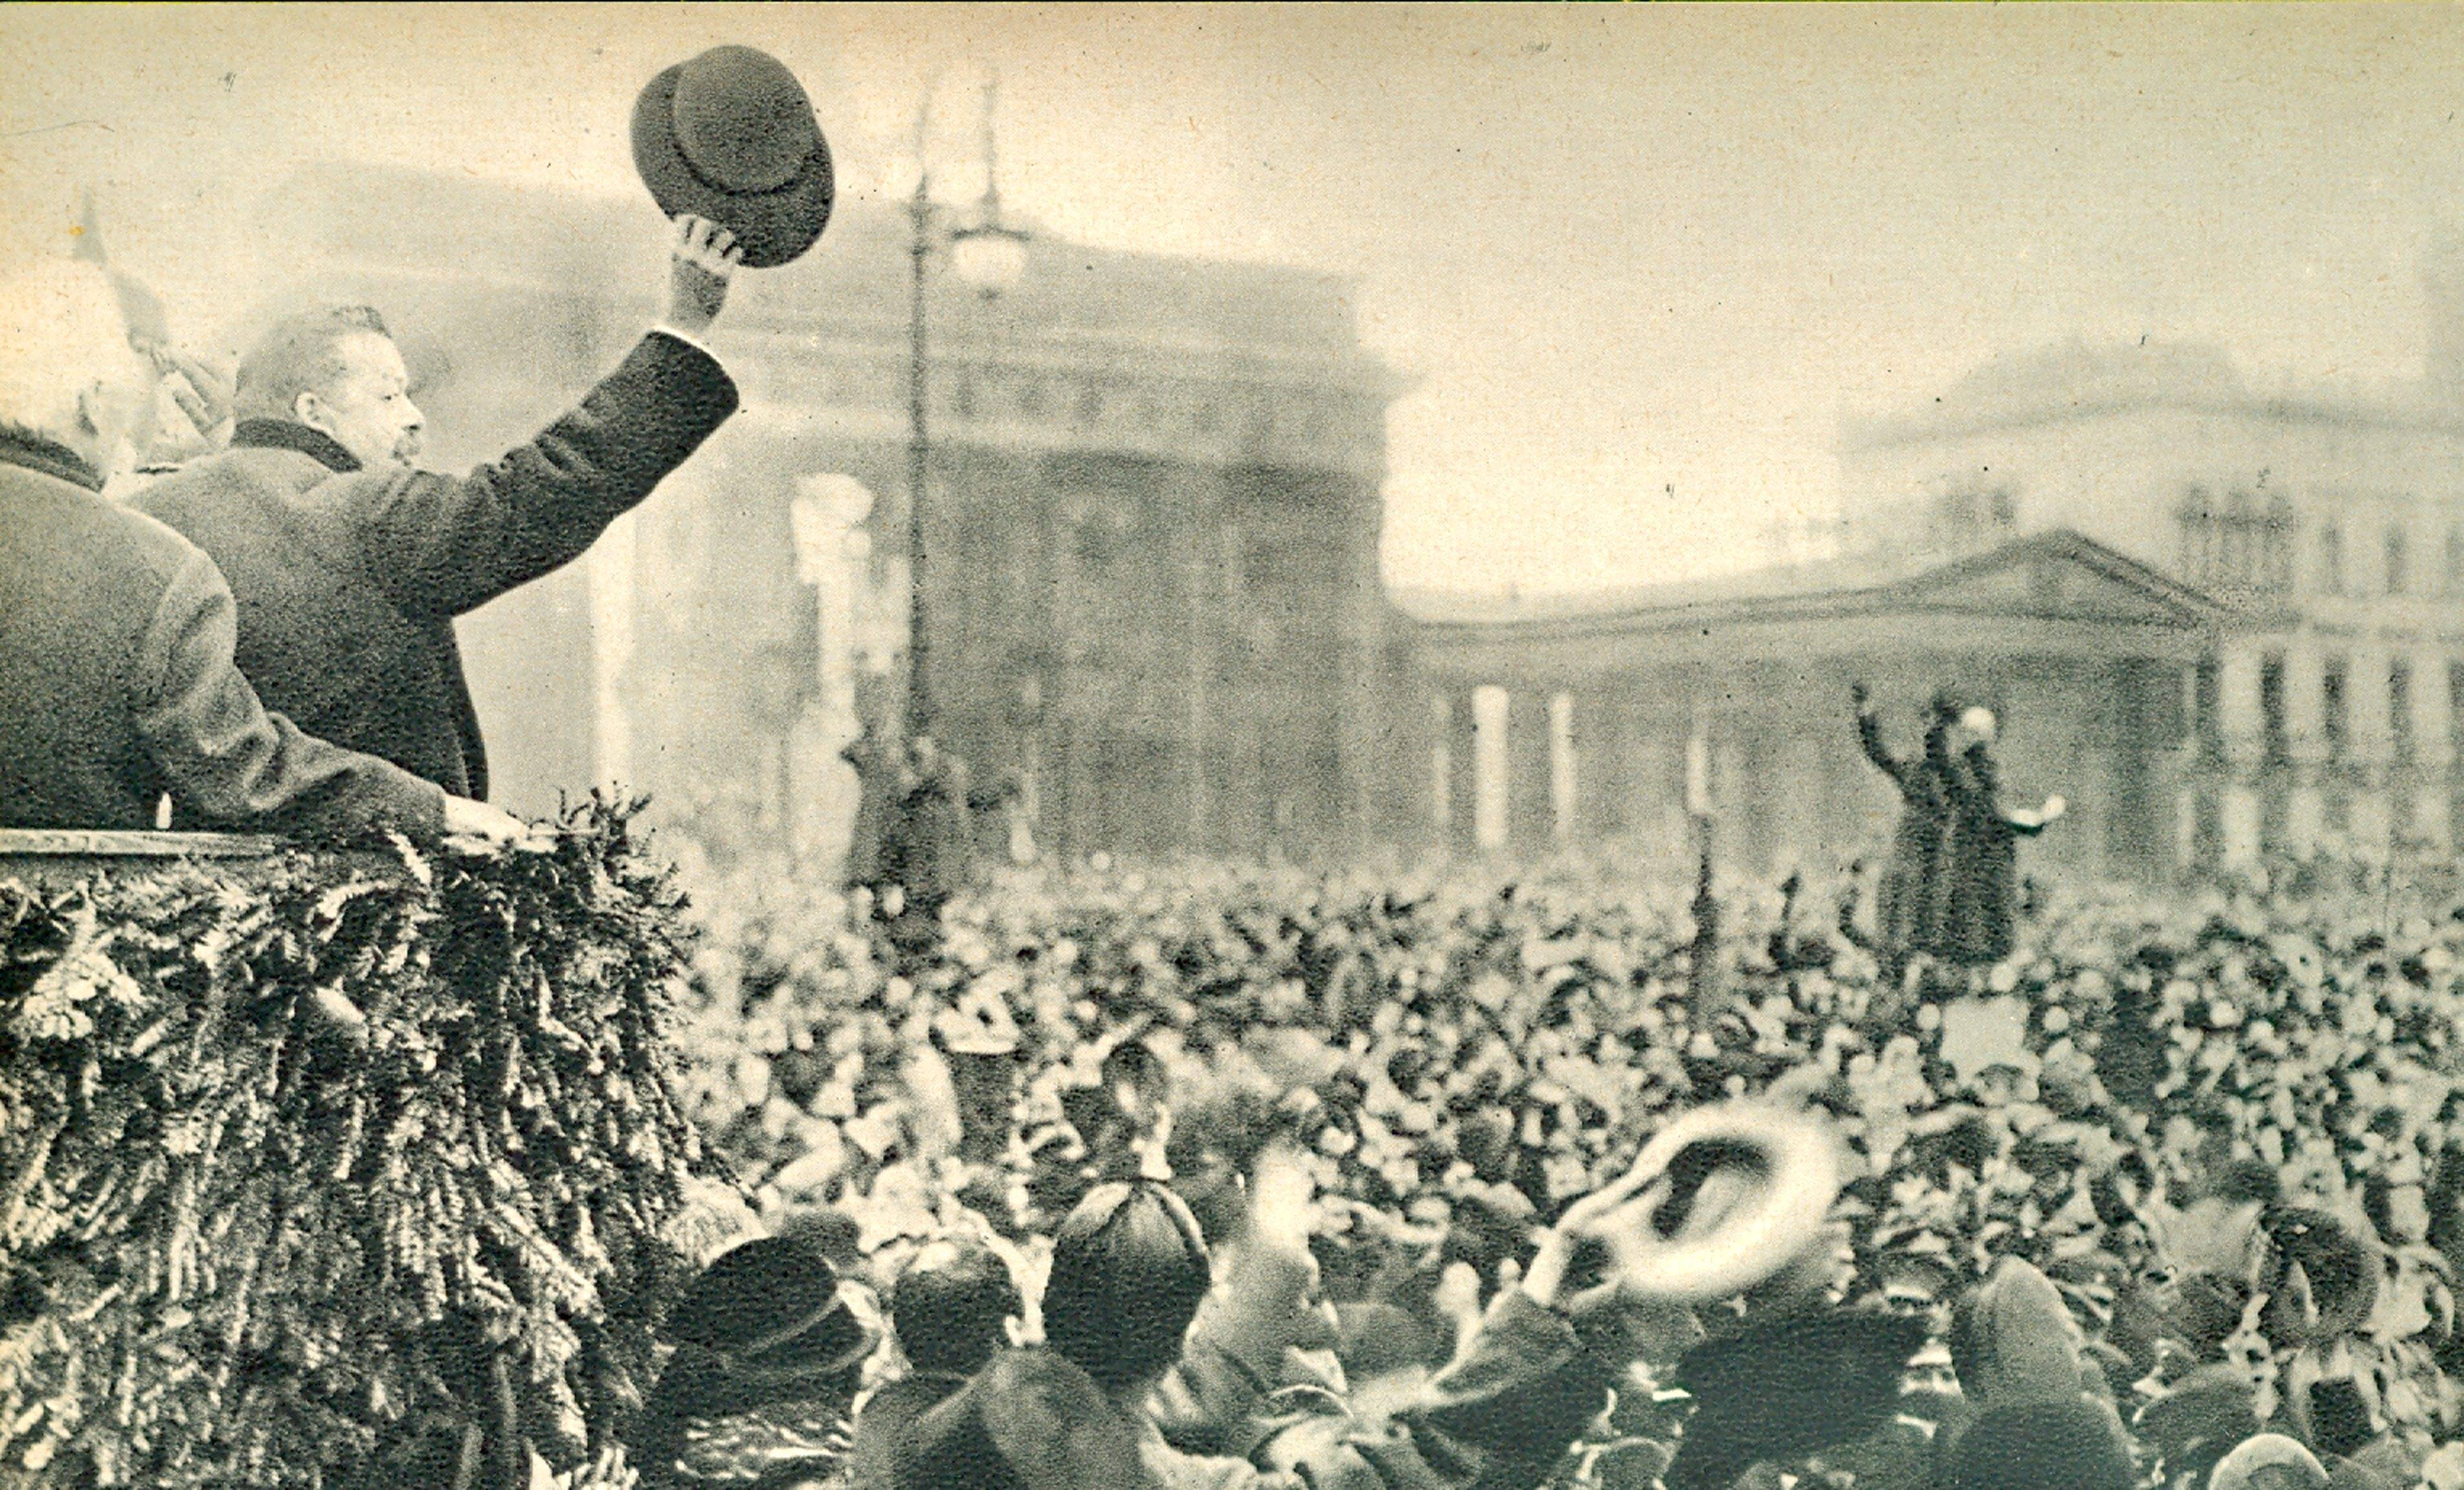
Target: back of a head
{"x":2042,"y":1446}
{"x":1129,"y":1270}
{"x":298,"y":353}
{"x":62,"y":341}
{"x":949,"y":1306}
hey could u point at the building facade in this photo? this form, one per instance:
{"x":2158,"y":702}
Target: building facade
{"x":2271,"y":660}
{"x":2330,"y":721}
{"x":1619,"y":723}
{"x":1151,"y":519}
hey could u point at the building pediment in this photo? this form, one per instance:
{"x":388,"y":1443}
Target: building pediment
{"x":2051,"y":592}
{"x":2059,"y":575}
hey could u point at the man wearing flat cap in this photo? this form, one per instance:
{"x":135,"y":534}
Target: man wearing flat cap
{"x":350,"y":564}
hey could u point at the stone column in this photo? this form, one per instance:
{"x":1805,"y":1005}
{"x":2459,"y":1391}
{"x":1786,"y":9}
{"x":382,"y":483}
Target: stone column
{"x":1490,"y":815}
{"x":1566,"y":784}
{"x":2433,"y":745}
{"x":832,"y":556}
{"x":2243,"y":732}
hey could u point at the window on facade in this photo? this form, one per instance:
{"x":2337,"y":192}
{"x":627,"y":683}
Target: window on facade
{"x":2400,"y":708}
{"x":2456,"y":710}
{"x":2271,"y":705}
{"x":2228,"y":541}
{"x":2334,"y":704}
{"x":2331,"y":559}
{"x":2396,"y":577}
{"x":1972,"y":516}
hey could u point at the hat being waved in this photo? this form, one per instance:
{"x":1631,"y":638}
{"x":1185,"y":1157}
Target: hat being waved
{"x":730,"y":136}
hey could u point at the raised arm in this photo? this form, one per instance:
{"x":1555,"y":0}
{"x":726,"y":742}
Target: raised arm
{"x":446,"y":546}
{"x":1869,"y":735}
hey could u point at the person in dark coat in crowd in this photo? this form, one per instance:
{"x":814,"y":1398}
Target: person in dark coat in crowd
{"x":116,"y":684}
{"x":880,"y":768}
{"x":768,"y":1359}
{"x":1906,"y":904}
{"x":949,"y":1312}
{"x":350,"y":564}
{"x":927,"y":844}
{"x":1981,"y":876}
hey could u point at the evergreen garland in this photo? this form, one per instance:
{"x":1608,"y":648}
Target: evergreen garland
{"x":248,"y":1239}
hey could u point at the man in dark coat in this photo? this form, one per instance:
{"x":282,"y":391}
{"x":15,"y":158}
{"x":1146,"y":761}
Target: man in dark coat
{"x":117,"y":687}
{"x":1908,"y":908}
{"x":350,"y":565}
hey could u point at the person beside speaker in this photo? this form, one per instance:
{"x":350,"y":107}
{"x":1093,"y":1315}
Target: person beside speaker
{"x":119,"y":688}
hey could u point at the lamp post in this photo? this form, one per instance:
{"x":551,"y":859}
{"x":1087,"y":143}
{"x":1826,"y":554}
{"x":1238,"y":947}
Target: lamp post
{"x":989,"y":255}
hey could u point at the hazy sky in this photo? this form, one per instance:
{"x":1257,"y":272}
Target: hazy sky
{"x":1624,"y":249}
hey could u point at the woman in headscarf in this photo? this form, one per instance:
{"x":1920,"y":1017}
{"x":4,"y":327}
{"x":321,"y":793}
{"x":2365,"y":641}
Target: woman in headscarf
{"x":1982,"y":873}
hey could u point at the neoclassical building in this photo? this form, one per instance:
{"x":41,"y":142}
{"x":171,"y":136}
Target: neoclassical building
{"x":1152,"y":523}
{"x":2221,"y":623}
{"x":1611,"y":721}
{"x":2331,"y":717}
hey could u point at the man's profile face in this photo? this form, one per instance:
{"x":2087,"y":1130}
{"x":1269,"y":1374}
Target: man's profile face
{"x":366,"y":406}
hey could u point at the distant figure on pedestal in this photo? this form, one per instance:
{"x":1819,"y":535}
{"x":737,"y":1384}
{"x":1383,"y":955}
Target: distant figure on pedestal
{"x":1982,"y":882}
{"x":933,"y":841}
{"x":1908,"y":905}
{"x":878,"y":764}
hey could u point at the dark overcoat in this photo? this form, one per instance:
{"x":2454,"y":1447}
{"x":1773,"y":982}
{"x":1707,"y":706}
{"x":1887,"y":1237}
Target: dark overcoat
{"x":116,"y":686}
{"x":1981,"y":875}
{"x":349,"y":580}
{"x":1909,"y":905}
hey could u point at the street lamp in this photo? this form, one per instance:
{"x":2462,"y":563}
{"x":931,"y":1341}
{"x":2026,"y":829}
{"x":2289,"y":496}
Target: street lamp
{"x":924,"y":825}
{"x":989,"y":255}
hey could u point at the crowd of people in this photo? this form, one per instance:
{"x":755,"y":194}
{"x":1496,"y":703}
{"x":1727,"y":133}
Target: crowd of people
{"x":2174,"y":1107}
{"x":1190,"y":1344}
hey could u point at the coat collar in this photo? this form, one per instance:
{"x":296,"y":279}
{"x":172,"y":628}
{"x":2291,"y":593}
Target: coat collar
{"x":23,"y":447}
{"x":282,"y":434}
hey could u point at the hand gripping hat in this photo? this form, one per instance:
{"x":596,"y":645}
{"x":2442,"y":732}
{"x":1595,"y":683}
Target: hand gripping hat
{"x":730,"y":136}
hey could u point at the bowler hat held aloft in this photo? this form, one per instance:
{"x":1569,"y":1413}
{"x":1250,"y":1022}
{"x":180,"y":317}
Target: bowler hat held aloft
{"x":730,"y":136}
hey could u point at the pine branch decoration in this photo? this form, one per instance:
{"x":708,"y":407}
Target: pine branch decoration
{"x":227,"y":1238}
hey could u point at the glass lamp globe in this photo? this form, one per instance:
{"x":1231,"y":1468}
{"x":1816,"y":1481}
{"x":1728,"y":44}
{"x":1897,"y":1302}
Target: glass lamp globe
{"x":989,"y":259}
